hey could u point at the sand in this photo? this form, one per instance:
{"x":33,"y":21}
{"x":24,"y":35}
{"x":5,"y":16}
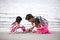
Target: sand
{"x":29,"y":36}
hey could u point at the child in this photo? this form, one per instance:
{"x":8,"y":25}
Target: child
{"x":41,"y":27}
{"x":15,"y":25}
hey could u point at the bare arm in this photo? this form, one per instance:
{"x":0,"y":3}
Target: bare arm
{"x":17,"y":25}
{"x":30,"y":29}
{"x":41,"y":27}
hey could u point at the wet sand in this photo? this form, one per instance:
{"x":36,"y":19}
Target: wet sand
{"x":29,"y":36}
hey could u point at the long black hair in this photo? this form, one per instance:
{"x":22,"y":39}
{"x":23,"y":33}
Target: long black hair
{"x":37,"y":21}
{"x":29,"y":16}
{"x":18,"y":19}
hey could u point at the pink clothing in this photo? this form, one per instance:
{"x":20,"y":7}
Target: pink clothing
{"x":14,"y":28}
{"x":44,"y":30}
{"x":23,"y":28}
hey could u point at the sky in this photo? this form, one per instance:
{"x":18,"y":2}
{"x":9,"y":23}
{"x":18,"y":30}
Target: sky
{"x":30,"y":6}
{"x":45,"y":8}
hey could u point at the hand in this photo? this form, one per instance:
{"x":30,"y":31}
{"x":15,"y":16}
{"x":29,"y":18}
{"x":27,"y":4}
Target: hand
{"x":28,"y":30}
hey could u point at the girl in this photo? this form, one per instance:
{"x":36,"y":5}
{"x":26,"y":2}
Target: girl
{"x":41,"y":27}
{"x":15,"y":25}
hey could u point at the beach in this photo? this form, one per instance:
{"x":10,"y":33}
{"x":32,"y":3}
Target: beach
{"x":29,"y":36}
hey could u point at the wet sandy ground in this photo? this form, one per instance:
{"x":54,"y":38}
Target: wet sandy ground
{"x":29,"y":36}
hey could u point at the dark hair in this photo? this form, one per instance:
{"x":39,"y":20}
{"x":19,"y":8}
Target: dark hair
{"x":29,"y":16}
{"x":37,"y":21}
{"x":18,"y":19}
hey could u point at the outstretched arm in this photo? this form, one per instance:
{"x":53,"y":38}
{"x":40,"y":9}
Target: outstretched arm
{"x":30,"y":29}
